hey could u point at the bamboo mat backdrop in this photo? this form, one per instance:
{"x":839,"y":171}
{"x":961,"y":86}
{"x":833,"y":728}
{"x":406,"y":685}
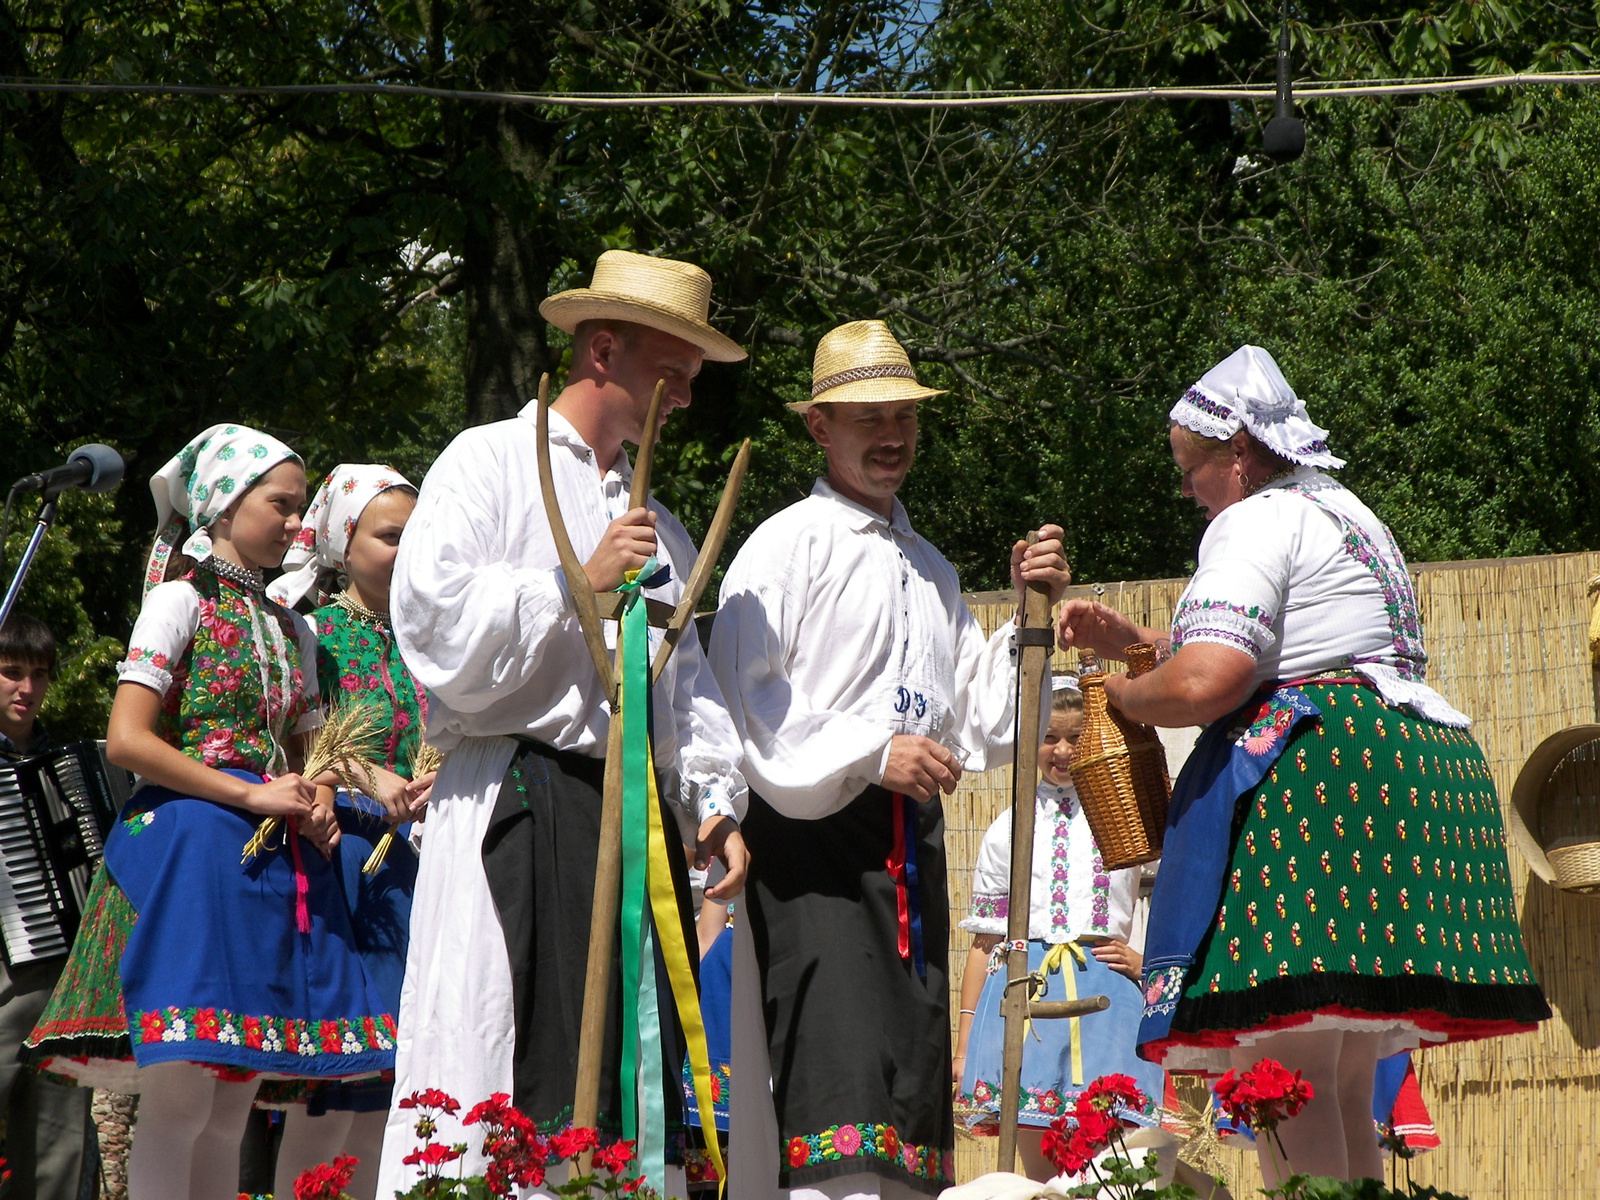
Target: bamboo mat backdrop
{"x":1507,"y":642}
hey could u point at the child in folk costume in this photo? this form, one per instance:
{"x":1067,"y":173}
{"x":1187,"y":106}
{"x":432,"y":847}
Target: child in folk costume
{"x":1080,"y":916}
{"x":350,"y":534}
{"x":193,"y":973}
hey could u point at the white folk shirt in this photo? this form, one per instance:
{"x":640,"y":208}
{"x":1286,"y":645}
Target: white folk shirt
{"x":1071,"y":895}
{"x":1303,"y":578}
{"x":839,"y":628}
{"x":486,"y":623}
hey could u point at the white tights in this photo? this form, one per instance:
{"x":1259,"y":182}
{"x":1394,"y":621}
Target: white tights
{"x":310,"y":1141}
{"x":1333,"y":1135}
{"x":186,"y":1138}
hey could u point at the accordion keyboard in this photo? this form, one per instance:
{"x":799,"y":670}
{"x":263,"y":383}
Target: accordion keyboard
{"x":55,"y":810}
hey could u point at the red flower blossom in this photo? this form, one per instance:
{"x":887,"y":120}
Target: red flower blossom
{"x":151,"y":1027}
{"x":434,"y":1155}
{"x":252,"y":1032}
{"x":325,"y":1182}
{"x":328,"y":1033}
{"x":1262,"y":1096}
{"x":205,"y":1024}
{"x":798,"y":1152}
{"x":632,"y":1186}
{"x":573,"y":1141}
{"x":615,"y":1157}
{"x":493,"y":1111}
{"x":432,"y":1098}
{"x":1110,"y":1092}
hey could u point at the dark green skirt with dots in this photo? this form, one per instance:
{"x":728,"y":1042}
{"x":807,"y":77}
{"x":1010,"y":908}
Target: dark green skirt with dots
{"x":1367,"y":888}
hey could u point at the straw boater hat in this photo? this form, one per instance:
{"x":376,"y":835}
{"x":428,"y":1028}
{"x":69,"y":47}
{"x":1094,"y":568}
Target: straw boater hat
{"x":861,"y":363}
{"x":672,"y":296}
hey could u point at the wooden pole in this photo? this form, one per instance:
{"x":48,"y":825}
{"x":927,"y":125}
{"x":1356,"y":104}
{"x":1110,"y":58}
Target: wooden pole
{"x":1034,"y":643}
{"x":608,"y":866}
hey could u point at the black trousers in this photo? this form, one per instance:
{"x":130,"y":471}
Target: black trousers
{"x":856,"y":1036}
{"x":539,"y":856}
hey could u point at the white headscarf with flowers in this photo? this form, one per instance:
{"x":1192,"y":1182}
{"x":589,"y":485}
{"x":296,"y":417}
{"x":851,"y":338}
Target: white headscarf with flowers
{"x":197,"y":485}
{"x":329,"y":523}
{"x":1247,"y":390}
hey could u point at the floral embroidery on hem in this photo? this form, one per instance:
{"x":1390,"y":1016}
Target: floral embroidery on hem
{"x":840,"y":1142}
{"x":268,"y":1035}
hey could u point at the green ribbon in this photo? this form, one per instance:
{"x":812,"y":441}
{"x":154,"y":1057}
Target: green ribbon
{"x":642,"y":1072}
{"x":650,"y":911}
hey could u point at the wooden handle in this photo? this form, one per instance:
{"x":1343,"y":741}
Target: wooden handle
{"x":577,"y":581}
{"x":602,"y":937}
{"x":1032,"y":663}
{"x":1055,"y":1009}
{"x":710,"y":551}
{"x":639,"y":494}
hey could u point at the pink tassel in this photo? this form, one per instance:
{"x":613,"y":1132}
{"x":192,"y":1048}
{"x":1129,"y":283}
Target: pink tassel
{"x":302,"y":885}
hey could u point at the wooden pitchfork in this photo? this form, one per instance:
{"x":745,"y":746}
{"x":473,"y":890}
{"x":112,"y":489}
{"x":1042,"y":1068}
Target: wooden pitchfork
{"x":1034,"y":643}
{"x":592,"y":609}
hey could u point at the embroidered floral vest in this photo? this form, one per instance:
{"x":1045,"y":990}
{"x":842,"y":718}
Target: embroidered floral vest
{"x":218,"y":709}
{"x":360,"y":659}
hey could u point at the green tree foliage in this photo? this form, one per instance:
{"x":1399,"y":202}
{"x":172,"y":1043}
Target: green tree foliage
{"x":361,"y":274}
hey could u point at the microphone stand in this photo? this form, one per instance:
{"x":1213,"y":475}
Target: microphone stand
{"x":46,"y":518}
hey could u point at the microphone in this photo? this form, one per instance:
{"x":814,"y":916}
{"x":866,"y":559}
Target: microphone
{"x":94,"y":468}
{"x":1284,"y":138}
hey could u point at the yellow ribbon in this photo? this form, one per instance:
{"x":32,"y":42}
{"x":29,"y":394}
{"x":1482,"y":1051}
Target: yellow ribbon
{"x":685,"y":996}
{"x":1054,"y":961}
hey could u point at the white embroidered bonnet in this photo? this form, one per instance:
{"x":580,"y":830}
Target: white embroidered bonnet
{"x":1247,"y":390}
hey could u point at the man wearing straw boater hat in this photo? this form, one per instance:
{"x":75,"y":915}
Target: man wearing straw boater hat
{"x":485,"y":620}
{"x":861,"y":687}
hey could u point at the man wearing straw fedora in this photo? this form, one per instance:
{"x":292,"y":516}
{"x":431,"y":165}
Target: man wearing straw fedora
{"x":485,"y":619}
{"x":861,"y":686}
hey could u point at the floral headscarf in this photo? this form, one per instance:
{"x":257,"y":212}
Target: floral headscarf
{"x":1247,"y":389}
{"x":330,"y":521}
{"x":199,"y":483}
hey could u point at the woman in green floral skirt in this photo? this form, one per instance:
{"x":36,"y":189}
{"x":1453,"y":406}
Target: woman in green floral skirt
{"x":1334,"y":884}
{"x":344,"y":557}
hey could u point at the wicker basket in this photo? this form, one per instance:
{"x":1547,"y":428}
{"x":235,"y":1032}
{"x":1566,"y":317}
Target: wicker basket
{"x":1553,"y":809}
{"x":1120,"y":770}
{"x":1576,"y":862}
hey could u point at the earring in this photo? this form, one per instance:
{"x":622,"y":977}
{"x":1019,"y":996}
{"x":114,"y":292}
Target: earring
{"x":1244,"y":483}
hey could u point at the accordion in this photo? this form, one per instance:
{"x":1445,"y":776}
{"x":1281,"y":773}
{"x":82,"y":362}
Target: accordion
{"x":55,"y":811}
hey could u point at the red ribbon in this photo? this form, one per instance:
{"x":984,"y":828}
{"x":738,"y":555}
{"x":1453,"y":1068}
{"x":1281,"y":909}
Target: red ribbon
{"x":302,"y":885}
{"x":896,"y":864}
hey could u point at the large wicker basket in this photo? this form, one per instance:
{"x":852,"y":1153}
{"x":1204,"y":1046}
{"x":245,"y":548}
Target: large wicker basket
{"x":1120,"y":770}
{"x":1555,"y":803}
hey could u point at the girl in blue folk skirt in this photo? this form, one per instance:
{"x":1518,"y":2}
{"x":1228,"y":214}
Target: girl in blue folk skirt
{"x":193,"y":973}
{"x":344,"y":556}
{"x":1079,"y":919}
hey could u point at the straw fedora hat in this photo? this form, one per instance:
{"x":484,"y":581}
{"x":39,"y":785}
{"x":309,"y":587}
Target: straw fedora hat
{"x":861,"y":363}
{"x":663,"y":293}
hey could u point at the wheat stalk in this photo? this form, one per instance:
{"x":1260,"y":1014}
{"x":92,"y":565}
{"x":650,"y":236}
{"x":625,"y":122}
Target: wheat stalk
{"x":423,"y":759}
{"x":344,"y":743}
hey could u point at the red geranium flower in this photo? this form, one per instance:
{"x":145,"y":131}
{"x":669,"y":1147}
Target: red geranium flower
{"x":573,"y":1141}
{"x":615,"y":1157}
{"x":432,"y":1098}
{"x":434,"y":1154}
{"x":325,"y":1182}
{"x":1262,"y":1096}
{"x":492,"y":1111}
{"x":1110,"y":1092}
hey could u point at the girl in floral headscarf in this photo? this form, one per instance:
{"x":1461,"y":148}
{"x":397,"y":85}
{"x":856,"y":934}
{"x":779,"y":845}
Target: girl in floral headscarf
{"x":345,"y":555}
{"x":192,"y":972}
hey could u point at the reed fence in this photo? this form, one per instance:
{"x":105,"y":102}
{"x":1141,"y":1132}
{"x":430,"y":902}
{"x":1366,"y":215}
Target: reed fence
{"x":1508,"y":643}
